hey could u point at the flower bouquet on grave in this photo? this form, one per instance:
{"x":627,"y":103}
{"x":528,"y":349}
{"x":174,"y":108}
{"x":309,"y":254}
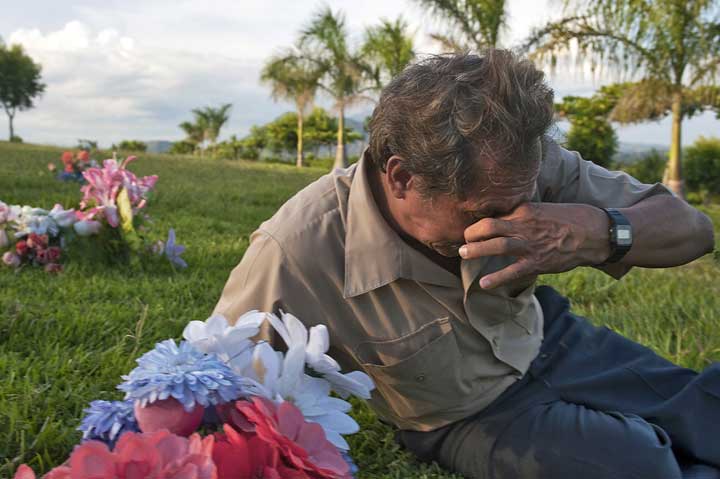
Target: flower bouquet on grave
{"x":73,"y":166}
{"x":220,"y":405}
{"x":109,"y":224}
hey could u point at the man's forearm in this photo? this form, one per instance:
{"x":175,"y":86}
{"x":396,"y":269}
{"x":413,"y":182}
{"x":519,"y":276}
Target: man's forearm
{"x":667,"y":232}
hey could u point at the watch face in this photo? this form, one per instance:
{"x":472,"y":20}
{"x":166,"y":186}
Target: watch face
{"x":623,"y":235}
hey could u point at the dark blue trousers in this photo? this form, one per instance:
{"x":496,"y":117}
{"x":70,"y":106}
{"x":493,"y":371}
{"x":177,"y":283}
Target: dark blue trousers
{"x":593,"y":405}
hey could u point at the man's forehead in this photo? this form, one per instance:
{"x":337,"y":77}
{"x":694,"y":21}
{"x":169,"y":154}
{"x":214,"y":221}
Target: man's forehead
{"x":496,"y":188}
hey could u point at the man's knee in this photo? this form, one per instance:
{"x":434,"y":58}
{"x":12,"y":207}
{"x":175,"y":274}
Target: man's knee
{"x":566,"y":440}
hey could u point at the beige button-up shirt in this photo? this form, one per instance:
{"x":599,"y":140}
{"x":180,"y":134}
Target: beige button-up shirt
{"x":438,"y":347}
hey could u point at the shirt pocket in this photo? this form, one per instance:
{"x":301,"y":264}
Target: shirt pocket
{"x":419,"y":373}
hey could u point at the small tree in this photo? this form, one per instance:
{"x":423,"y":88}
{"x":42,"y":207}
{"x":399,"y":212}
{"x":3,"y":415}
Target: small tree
{"x":19,"y":82}
{"x":210,"y":121}
{"x":590,"y":130}
{"x":292,"y":76}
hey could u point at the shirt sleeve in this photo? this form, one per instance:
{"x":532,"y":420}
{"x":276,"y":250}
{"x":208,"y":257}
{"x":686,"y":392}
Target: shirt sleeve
{"x":264,"y":280}
{"x":566,"y":178}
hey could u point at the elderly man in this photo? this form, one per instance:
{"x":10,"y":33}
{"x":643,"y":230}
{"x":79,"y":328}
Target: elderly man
{"x":422,"y":258}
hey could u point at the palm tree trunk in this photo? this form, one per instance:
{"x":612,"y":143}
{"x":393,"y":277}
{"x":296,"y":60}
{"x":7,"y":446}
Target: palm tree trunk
{"x":299,"y":162}
{"x":340,"y":156}
{"x":12,"y":132}
{"x":674,"y":178}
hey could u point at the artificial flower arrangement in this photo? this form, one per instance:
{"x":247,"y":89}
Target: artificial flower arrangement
{"x":109,"y":219}
{"x":220,"y":405}
{"x":74,"y":164}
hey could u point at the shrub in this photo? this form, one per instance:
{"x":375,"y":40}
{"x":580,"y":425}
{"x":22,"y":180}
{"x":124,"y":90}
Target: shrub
{"x":702,"y":165}
{"x":182,"y":147}
{"x":648,"y":169}
{"x":132,"y":145}
{"x":16,"y":139}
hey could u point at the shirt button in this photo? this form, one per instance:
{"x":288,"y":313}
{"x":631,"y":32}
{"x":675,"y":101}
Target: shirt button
{"x":420,"y":378}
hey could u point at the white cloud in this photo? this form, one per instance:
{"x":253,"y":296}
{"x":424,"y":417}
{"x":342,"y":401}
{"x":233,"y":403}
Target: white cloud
{"x":135,"y":69}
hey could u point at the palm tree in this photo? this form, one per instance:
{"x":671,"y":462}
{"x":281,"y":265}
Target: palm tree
{"x":388,"y":49}
{"x":211,"y":120}
{"x":474,"y":24}
{"x":672,"y":46}
{"x":344,"y":72}
{"x":293,"y":77}
{"x":194,"y":133}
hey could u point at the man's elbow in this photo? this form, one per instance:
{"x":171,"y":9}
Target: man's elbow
{"x":705,"y":233}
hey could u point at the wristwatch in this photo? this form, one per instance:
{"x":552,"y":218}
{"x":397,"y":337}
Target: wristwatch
{"x":621,"y":236}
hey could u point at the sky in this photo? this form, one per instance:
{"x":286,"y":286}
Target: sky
{"x":134,"y":69}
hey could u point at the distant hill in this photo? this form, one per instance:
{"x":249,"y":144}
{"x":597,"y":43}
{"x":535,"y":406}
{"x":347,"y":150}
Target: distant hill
{"x":631,"y":152}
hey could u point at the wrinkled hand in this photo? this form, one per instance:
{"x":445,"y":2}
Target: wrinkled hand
{"x":544,"y":237}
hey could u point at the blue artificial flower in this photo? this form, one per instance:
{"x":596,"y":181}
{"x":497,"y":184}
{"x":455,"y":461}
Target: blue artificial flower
{"x":353,"y":467}
{"x":184,"y":373}
{"x":173,"y":251}
{"x":106,"y":420}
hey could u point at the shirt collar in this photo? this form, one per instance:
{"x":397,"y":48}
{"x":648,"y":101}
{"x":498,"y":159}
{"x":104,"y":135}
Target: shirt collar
{"x":375,"y":255}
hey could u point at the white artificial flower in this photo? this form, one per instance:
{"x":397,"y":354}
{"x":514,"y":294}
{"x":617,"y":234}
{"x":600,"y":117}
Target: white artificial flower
{"x":295,"y":335}
{"x":64,"y":218}
{"x":87,"y":227}
{"x":232,"y":344}
{"x":4,"y":212}
{"x":282,"y":380}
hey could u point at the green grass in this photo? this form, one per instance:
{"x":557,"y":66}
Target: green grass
{"x":66,"y":339}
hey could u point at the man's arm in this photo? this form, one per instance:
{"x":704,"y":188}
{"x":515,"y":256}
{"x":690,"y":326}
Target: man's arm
{"x":552,"y":238}
{"x":569,"y":229}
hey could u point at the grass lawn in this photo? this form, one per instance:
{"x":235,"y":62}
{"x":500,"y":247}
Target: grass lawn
{"x":66,"y":339}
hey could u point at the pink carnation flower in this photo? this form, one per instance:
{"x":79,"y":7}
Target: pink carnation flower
{"x":158,"y":455}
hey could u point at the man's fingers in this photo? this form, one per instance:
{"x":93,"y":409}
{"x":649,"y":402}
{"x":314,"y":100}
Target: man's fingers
{"x":488,"y":228}
{"x":503,"y":246}
{"x":517,"y":270}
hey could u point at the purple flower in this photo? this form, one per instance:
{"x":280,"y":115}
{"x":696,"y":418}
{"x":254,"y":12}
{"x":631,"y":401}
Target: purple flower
{"x":173,"y":251}
{"x":106,"y":420}
{"x":184,"y":373}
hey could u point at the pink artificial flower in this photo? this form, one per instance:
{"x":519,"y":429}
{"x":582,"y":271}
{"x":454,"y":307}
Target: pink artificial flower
{"x":53,"y":254}
{"x":159,"y":455}
{"x":4,"y":240}
{"x":105,"y":183}
{"x":11,"y":259}
{"x":4,"y":212}
{"x":24,"y":472}
{"x":53,"y":268}
{"x":302,"y":445}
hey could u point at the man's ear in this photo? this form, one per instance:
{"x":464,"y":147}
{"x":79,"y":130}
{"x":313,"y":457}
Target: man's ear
{"x":397,"y":177}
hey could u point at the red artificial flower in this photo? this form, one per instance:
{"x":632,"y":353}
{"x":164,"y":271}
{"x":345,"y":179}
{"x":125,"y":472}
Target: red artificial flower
{"x":37,"y":241}
{"x":245,"y":455}
{"x":168,"y":414}
{"x":21,"y":248}
{"x":67,"y":157}
{"x":41,"y":256}
{"x":53,"y":268}
{"x":69,"y":168}
{"x":302,"y":445}
{"x":53,"y":254}
{"x":83,"y":156}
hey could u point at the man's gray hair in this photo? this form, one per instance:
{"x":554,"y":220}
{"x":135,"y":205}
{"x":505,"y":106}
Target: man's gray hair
{"x":443,"y":113}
